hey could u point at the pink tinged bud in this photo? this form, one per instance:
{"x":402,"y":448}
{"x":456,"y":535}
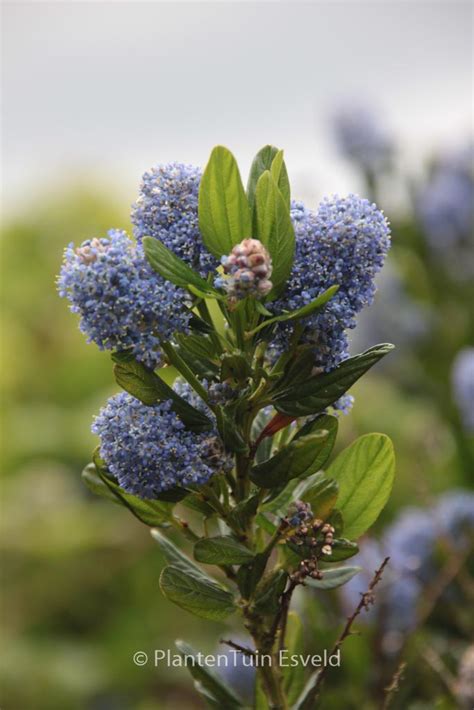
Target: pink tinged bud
{"x":265,"y":287}
{"x":260,"y":271}
{"x":256,"y":258}
{"x":242,"y":262}
{"x":250,"y":245}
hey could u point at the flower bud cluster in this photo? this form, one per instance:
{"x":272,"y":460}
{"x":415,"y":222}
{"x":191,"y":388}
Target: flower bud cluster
{"x":313,"y":533}
{"x":247,"y":271}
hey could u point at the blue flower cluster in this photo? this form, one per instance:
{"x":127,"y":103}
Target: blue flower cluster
{"x":345,"y":242}
{"x":122,"y":302}
{"x":167,"y":209}
{"x":445,"y":206}
{"x":361,"y":137}
{"x":462,"y":377}
{"x":149,"y":450}
{"x":416,"y":543}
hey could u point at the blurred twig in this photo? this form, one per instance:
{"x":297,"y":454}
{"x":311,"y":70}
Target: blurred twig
{"x":435,"y":661}
{"x":394,"y":685}
{"x":367,"y":599}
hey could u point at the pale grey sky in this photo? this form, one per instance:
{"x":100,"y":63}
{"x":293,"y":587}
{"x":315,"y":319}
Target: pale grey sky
{"x":115,"y":87}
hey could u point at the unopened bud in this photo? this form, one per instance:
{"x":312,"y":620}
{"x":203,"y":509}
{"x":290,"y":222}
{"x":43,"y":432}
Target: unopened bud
{"x":247,"y":271}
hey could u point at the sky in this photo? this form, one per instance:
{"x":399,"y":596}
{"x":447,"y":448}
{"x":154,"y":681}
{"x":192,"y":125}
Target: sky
{"x":108,"y":89}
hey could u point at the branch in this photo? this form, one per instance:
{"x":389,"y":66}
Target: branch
{"x":367,"y":599}
{"x":394,"y":685}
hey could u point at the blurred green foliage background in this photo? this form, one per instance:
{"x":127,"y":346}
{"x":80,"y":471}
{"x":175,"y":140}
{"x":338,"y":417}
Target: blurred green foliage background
{"x":80,"y":576}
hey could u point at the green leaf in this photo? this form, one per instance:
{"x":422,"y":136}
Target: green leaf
{"x":265,"y":524}
{"x":280,"y":175}
{"x":229,"y":433}
{"x":174,"y":556}
{"x":95,"y":484}
{"x":298,"y":368}
{"x":150,"y":512}
{"x":250,"y":574}
{"x":342,"y":549}
{"x":195,"y":502}
{"x":321,"y":391}
{"x":333,"y":577}
{"x":293,"y":676}
{"x":302,"y":312}
{"x":199,"y":596}
{"x":222,"y":550}
{"x":206,"y":678}
{"x":183,"y":368}
{"x":269,"y":591}
{"x":172,"y":268}
{"x":236,"y":367}
{"x":244,"y":511}
{"x":275,"y":230}
{"x":199,"y":354}
{"x":224,"y":212}
{"x":149,"y":388}
{"x":365,"y":472}
{"x":263,"y":161}
{"x":277,"y":503}
{"x":303,"y":456}
{"x":322,"y":497}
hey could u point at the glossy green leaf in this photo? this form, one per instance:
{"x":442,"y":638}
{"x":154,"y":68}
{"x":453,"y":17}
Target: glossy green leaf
{"x":150,"y":512}
{"x":229,"y":433}
{"x":221,"y":550}
{"x":322,"y":497}
{"x":275,"y":230}
{"x":184,"y":369}
{"x":365,"y":472}
{"x":342,"y":549}
{"x":244,"y":511}
{"x":172,"y":268}
{"x":199,"y":354}
{"x":320,"y":391}
{"x":199,"y":596}
{"x":263,"y":161}
{"x":174,"y":556}
{"x":208,"y":679}
{"x":303,"y":456}
{"x":235,"y":367}
{"x":302,"y":312}
{"x":96,"y":485}
{"x":333,"y":577}
{"x":268,"y":592}
{"x":224,"y":212}
{"x":149,"y":388}
{"x":280,"y":175}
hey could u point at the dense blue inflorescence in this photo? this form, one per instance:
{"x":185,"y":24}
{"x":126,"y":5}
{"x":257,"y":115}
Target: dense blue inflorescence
{"x":149,"y":450}
{"x":167,"y":209}
{"x":417,"y":543}
{"x":122,"y":302}
{"x":462,"y":377}
{"x":362,"y":137}
{"x":345,"y":242}
{"x":445,"y":207}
